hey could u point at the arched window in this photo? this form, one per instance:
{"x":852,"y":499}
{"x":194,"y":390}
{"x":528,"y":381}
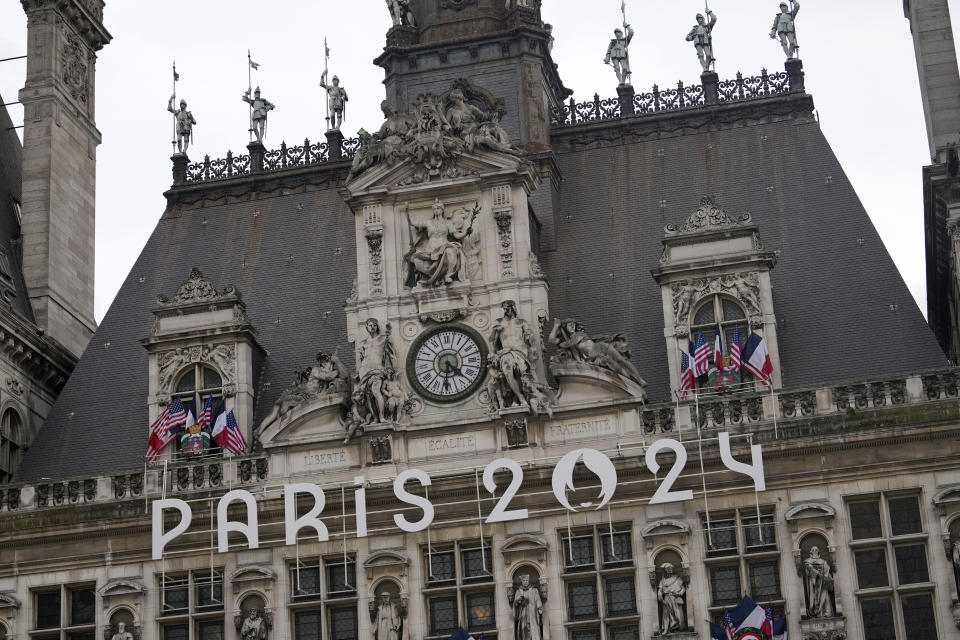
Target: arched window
{"x":720,"y":310}
{"x":11,"y":443}
{"x":198,"y":381}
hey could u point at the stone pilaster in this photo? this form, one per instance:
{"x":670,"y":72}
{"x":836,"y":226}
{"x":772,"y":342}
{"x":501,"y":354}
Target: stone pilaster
{"x":256,"y":151}
{"x":180,"y":162}
{"x":794,"y":68}
{"x":711,"y":86}
{"x":626,"y":93}
{"x":335,"y":144}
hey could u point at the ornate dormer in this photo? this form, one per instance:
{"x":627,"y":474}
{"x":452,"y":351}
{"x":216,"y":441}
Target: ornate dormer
{"x":714,"y":271}
{"x":445,"y":267}
{"x":203,"y":343}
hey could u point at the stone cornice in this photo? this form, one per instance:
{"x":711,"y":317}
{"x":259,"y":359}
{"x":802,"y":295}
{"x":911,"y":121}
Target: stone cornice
{"x":85,"y":15}
{"x":39,"y":355}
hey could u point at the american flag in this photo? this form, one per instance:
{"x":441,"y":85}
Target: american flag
{"x":701,"y":355}
{"x":164,"y":429}
{"x":728,"y":627}
{"x":235,"y":440}
{"x":767,"y":627}
{"x":204,"y":418}
{"x":735,"y":349}
{"x":687,"y":380}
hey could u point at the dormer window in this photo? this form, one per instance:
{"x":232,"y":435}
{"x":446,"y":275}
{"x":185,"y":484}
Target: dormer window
{"x":11,"y":443}
{"x":732,"y":319}
{"x":201,"y":381}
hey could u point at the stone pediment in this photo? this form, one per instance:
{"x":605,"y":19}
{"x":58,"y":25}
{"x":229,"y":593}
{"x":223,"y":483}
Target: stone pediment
{"x":709,"y":216}
{"x":120,"y":587}
{"x":251,"y":573}
{"x":9,"y":601}
{"x":316,"y":420}
{"x":524,"y":546}
{"x":665,"y":528}
{"x":469,"y":167}
{"x":809,"y":510}
{"x":382,"y":559}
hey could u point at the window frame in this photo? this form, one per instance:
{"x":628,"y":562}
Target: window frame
{"x":218,"y":395}
{"x":195,"y":614}
{"x":323,"y":601}
{"x":461,"y":586}
{"x":13,"y":441}
{"x":747,"y":380}
{"x":895,"y":590}
{"x":65,"y":628}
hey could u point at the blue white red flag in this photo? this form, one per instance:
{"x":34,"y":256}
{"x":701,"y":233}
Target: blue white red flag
{"x":749,"y":621}
{"x":687,"y":381}
{"x":235,"y":441}
{"x":165,"y":428}
{"x":701,"y":355}
{"x":220,"y":425}
{"x":718,"y":350}
{"x":755,"y":358}
{"x":735,"y":349}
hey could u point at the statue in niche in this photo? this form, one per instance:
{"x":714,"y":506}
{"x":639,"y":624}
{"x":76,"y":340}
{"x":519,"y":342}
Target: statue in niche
{"x":122,"y":633}
{"x":400,"y":13}
{"x":818,"y":584}
{"x":254,"y":626}
{"x":784,"y":28}
{"x":608,"y":352}
{"x":259,"y":108}
{"x":702,"y":38}
{"x":327,"y":376}
{"x":376,"y":359}
{"x":185,"y":122}
{"x":527,"y":611}
{"x":671,"y":593}
{"x":436,"y":256}
{"x":387,"y":617}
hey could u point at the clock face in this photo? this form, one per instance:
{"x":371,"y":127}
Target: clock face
{"x":447,"y":364}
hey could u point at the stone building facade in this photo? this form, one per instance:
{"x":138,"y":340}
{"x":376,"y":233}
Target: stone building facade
{"x":486,"y":306}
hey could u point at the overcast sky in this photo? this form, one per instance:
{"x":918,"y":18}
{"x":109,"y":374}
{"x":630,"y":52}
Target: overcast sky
{"x":858,"y":57}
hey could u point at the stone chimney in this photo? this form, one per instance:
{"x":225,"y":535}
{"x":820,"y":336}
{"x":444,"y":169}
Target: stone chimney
{"x":60,"y":141}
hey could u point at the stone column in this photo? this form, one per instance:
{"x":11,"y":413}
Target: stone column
{"x":625,"y":92}
{"x":711,"y":87}
{"x":180,"y":162}
{"x":794,"y":68}
{"x":257,"y":151}
{"x":335,"y":144}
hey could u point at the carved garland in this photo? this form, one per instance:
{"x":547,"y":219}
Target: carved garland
{"x":709,"y":214}
{"x":222,"y":356}
{"x":197,"y":289}
{"x":73,"y":65}
{"x":375,"y":244}
{"x":503,"y":214}
{"x":743,"y":287}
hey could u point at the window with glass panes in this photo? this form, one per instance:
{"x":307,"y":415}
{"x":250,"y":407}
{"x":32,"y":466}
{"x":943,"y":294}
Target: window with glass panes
{"x":199,"y":381}
{"x":64,"y":612}
{"x":12,"y":442}
{"x":726,"y":312}
{"x":193,"y":599}
{"x":600,"y":582}
{"x":890,"y":551}
{"x":323,"y":598}
{"x":742,"y":558}
{"x":460,"y":591}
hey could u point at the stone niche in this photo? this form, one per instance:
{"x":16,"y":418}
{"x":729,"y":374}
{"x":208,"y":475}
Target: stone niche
{"x":946,"y":501}
{"x":122,"y":601}
{"x":713,"y":253}
{"x":666,"y":544}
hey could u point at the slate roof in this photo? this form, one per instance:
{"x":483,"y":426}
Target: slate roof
{"x":832,"y":293}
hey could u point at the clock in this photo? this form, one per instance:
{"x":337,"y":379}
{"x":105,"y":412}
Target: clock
{"x":448,"y":363}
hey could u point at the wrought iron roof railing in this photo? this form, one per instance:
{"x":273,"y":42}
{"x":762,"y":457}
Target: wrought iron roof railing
{"x":286,"y":157}
{"x":674,"y":99}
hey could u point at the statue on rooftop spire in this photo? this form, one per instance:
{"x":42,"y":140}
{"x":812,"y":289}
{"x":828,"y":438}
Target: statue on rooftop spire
{"x":784,"y":27}
{"x":618,"y":56}
{"x":259,"y":108}
{"x":185,"y":122}
{"x":337,"y":99}
{"x":400,"y":13}
{"x":702,"y":38}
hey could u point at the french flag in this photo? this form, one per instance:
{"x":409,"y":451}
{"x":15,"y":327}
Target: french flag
{"x":219,"y":422}
{"x":718,"y":350}
{"x":749,"y":621}
{"x":755,"y":358}
{"x":701,"y":355}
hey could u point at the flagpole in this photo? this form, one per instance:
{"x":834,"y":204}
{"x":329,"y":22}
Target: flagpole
{"x":173,"y":141}
{"x":326,"y":72}
{"x":703,"y":474}
{"x":249,"y":93}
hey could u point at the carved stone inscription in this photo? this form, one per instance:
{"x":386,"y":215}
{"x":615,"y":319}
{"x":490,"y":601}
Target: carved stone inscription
{"x":580,"y":429}
{"x":451,"y":445}
{"x":320,"y":460}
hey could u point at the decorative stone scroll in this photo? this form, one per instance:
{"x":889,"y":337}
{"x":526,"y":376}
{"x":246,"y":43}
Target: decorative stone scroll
{"x":197,"y":289}
{"x":744,"y":287}
{"x":705,"y":218}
